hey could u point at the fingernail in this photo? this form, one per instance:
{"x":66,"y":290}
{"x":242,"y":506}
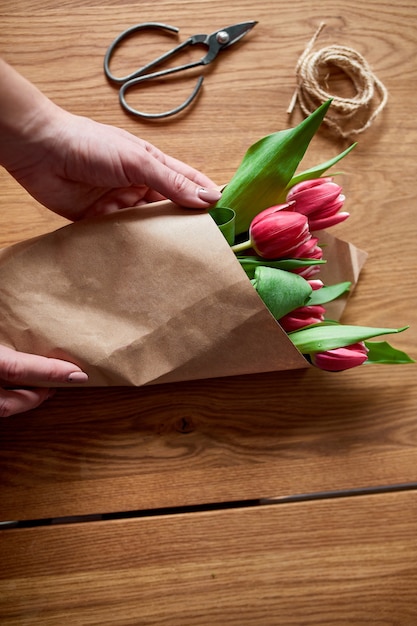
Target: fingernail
{"x":77,"y":377}
{"x":209,"y":195}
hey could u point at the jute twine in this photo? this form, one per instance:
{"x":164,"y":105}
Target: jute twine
{"x":346,"y":116}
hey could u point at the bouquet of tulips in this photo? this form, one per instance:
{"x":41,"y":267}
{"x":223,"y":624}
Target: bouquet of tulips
{"x":158,"y":293}
{"x":273,"y":225}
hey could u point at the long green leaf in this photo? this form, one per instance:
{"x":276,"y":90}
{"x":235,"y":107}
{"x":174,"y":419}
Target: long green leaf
{"x":324,"y":337}
{"x":383,"y":352}
{"x":329,"y":293}
{"x":267,"y":168}
{"x":250,"y":263}
{"x":318,"y":170}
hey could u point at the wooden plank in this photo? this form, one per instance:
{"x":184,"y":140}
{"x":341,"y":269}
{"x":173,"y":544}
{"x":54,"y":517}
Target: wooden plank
{"x":202,"y":442}
{"x":342,"y":561}
{"x":89,"y":451}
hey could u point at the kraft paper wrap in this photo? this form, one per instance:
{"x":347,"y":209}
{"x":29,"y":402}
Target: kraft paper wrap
{"x":147,"y":295}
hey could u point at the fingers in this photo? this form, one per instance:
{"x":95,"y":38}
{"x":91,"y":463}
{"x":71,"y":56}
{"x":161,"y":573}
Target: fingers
{"x":179,"y":188}
{"x":19,"y":368}
{"x":169,"y":177}
{"x":179,"y":181}
{"x":189,"y":172}
{"x":114,"y":160}
{"x":17,"y":401}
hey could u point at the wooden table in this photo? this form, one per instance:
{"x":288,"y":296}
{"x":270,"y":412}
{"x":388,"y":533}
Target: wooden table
{"x":280,"y":498}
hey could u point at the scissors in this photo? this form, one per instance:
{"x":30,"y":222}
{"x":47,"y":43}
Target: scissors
{"x":215,"y":42}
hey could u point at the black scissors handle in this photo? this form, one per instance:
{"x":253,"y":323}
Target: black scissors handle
{"x":124,"y":35}
{"x":215,"y":42}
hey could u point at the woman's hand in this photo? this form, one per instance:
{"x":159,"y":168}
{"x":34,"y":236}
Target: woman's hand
{"x":78,"y":167}
{"x":20,"y":373}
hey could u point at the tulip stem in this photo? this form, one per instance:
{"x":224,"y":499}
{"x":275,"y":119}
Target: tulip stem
{"x":238,"y":247}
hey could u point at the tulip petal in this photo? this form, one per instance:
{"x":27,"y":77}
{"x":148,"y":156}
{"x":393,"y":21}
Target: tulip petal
{"x":326,"y":222}
{"x":280,"y":234}
{"x":302,"y":317}
{"x":341,"y":359}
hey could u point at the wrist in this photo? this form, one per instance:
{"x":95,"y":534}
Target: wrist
{"x":25,"y":113}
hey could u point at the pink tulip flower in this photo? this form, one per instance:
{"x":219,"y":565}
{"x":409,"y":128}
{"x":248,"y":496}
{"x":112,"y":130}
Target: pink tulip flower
{"x":316,"y":284}
{"x":276,"y":233}
{"x":302,"y":317}
{"x":309,"y":250}
{"x":320,"y":200}
{"x":341,"y":358}
{"x":305,"y":315}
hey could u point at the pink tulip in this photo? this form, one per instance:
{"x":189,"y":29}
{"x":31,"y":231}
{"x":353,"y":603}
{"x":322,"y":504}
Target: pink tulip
{"x":316,"y":284}
{"x":341,"y":358}
{"x":303,"y":316}
{"x":320,"y":200}
{"x":276,"y":233}
{"x":309,"y":250}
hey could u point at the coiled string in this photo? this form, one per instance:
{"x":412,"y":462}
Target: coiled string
{"x":346,"y":116}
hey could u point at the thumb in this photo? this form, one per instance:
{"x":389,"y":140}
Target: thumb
{"x":20,"y":368}
{"x":15,"y":401}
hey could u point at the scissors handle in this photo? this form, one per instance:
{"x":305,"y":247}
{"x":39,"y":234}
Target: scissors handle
{"x":135,"y":81}
{"x":140,"y":75}
{"x":124,"y":35}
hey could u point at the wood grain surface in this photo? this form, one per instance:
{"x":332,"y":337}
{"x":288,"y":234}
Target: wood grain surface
{"x":334,"y":562}
{"x":278,"y":435}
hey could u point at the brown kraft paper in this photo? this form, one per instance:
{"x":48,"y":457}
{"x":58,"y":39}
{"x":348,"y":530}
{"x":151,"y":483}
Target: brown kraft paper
{"x":147,"y":295}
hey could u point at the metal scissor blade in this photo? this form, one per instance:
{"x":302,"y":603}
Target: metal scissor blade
{"x":236,"y":32}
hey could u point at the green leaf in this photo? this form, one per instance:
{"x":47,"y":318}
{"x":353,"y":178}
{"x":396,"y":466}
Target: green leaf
{"x":329,"y":293}
{"x":225,"y":219}
{"x":322,"y":337}
{"x":383,"y":352}
{"x":267,"y":168}
{"x":281,"y":291}
{"x":250,"y":263}
{"x":318,"y":170}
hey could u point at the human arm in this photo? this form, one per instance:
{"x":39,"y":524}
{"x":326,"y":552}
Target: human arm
{"x":78,"y":167}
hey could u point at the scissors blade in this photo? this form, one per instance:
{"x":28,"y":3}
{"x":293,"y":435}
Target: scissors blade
{"x":234,"y":32}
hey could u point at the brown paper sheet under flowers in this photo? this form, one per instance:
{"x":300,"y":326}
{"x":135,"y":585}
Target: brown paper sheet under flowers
{"x":147,"y":295}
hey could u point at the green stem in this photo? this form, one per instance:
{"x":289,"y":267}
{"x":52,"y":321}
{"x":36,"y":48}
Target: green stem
{"x":238,"y":247}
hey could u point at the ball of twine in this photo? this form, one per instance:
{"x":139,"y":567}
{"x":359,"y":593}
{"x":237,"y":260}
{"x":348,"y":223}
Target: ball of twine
{"x":346,"y":116}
